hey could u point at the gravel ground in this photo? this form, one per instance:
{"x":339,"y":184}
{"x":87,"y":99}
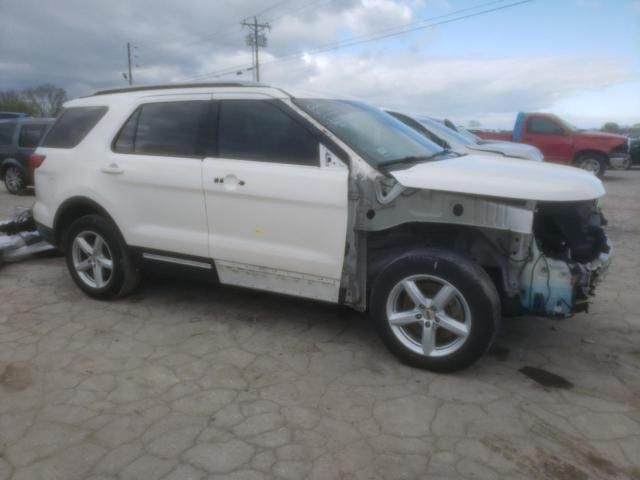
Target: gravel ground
{"x":189,"y":381}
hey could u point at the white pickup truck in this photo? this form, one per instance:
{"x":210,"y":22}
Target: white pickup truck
{"x":327,"y":199}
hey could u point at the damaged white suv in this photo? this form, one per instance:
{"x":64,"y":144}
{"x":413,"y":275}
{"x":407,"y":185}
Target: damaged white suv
{"x":326,"y":199}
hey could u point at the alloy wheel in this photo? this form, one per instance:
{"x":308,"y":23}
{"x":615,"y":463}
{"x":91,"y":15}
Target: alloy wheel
{"x":428,"y":315}
{"x":92,"y":259}
{"x":13,"y":180}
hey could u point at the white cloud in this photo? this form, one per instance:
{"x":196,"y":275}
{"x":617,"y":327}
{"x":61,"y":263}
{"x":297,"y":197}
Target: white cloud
{"x":486,"y":89}
{"x":81,"y":46}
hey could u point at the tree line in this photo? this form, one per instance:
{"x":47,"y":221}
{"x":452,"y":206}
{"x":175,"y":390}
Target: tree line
{"x":41,"y":101}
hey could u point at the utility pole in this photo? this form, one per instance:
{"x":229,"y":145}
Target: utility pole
{"x":130,"y":77}
{"x":256,"y":39}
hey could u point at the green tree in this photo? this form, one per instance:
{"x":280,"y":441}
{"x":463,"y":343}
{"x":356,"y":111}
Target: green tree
{"x":611,"y":127}
{"x":41,"y":101}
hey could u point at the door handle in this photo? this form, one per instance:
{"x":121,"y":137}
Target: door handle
{"x":232,"y":180}
{"x":112,"y":169}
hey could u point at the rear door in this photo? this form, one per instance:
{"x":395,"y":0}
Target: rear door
{"x":553,"y":140}
{"x":152,"y":176}
{"x":277,"y":214}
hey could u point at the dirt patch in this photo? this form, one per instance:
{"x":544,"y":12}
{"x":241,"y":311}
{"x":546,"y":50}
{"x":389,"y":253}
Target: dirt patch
{"x":16,"y":377}
{"x":546,"y":378}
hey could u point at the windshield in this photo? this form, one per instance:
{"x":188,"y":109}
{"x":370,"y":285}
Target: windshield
{"x":441,"y":130}
{"x":378,"y":137}
{"x":471,"y":136}
{"x":566,"y":124}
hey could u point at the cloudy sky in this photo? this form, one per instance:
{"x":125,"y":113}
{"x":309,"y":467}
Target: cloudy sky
{"x":578,"y":58}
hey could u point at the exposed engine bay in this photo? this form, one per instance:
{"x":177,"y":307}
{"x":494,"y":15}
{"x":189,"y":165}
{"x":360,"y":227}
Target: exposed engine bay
{"x":569,"y":257}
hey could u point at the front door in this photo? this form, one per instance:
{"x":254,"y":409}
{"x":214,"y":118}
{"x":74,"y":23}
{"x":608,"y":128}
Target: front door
{"x":277,"y":214}
{"x":553,"y":140}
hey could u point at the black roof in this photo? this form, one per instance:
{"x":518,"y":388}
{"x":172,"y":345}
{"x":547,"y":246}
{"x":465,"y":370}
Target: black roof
{"x":168,"y":86}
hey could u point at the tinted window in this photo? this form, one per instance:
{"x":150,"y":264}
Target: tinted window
{"x":72,"y":126}
{"x":172,"y":128}
{"x":6,"y":132}
{"x":258,"y":130}
{"x":543,"y":125}
{"x":30,"y":135}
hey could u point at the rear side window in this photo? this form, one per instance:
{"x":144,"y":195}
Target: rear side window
{"x":543,"y":125}
{"x":6,"y":132}
{"x":258,"y":130}
{"x":72,"y":126}
{"x":171,"y":129}
{"x":30,"y":135}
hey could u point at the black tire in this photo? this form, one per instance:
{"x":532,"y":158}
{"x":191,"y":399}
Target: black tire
{"x":471,"y":281}
{"x":15,"y":180}
{"x":587,"y":159}
{"x":124,"y":277}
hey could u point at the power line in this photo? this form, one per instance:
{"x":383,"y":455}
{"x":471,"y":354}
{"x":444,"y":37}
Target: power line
{"x":379,"y":36}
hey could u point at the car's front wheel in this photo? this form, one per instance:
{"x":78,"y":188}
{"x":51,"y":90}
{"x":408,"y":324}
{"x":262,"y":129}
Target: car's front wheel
{"x":97,"y":258}
{"x":592,"y":162}
{"x":15,"y":180}
{"x":435,"y":309}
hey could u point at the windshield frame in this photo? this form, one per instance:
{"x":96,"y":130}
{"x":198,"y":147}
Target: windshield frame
{"x":430,"y":149}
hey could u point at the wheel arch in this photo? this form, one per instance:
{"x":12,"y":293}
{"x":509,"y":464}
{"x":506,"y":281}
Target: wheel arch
{"x":471,"y":242}
{"x":590,"y":151}
{"x":10,"y":162}
{"x":72,"y":209}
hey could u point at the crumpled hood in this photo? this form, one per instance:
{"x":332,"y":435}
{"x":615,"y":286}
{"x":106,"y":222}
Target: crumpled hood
{"x":494,"y":176}
{"x":510,"y":149}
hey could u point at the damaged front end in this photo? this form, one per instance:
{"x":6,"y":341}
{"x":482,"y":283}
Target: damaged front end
{"x":570,"y":256}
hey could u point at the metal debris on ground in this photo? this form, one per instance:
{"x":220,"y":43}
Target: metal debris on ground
{"x":19,"y":238}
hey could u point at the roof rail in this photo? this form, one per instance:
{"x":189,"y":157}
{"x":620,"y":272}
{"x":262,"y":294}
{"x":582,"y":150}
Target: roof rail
{"x":168,"y":86}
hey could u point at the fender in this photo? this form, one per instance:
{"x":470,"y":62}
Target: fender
{"x":73,"y":208}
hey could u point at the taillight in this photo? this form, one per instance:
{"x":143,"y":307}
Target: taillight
{"x":35,"y":160}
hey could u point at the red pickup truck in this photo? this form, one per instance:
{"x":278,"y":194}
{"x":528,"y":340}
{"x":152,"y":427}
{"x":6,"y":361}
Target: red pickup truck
{"x":561,"y":142}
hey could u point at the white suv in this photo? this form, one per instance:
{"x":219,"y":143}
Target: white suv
{"x":321,"y":198}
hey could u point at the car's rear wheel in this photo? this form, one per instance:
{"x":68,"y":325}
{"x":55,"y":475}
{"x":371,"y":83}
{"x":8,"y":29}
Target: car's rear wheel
{"x":592,"y":162}
{"x":15,"y":180}
{"x":97,"y":258}
{"x":435,"y":309}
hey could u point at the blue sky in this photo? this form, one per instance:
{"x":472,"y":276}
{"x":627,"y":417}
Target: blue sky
{"x":589,"y":29}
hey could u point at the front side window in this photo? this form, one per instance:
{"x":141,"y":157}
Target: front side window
{"x":72,"y":126}
{"x":169,"y":128}
{"x":258,"y":130}
{"x":30,"y":135}
{"x":6,"y":132}
{"x":543,"y":126}
{"x":378,"y":137}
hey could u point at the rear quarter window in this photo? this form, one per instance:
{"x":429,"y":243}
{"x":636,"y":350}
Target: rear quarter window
{"x":6,"y":132}
{"x":30,"y":135}
{"x":72,"y":126}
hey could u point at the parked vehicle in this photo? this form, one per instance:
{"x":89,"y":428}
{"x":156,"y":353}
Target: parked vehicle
{"x":438,"y":132}
{"x":325,"y":199}
{"x":19,"y":138}
{"x":634,"y":150}
{"x":561,"y":142}
{"x":5,"y":115}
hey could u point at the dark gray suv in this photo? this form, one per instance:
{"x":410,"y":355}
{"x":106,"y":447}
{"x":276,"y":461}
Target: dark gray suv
{"x":19,"y":138}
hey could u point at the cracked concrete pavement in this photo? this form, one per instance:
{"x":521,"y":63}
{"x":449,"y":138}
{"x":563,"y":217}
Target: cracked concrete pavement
{"x":187,"y":381}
